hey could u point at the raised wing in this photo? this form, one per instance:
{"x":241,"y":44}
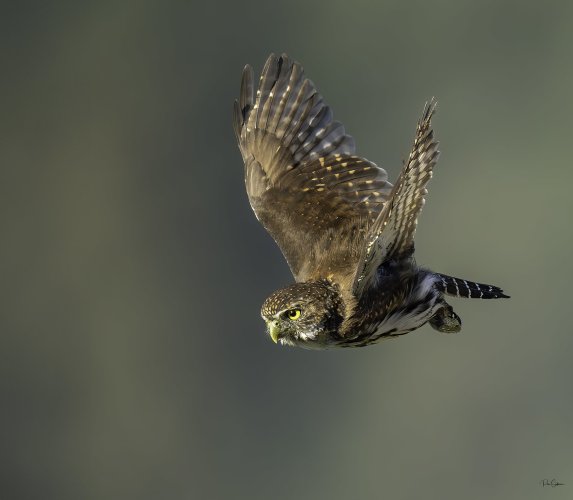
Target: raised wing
{"x":303,"y":181}
{"x":391,"y":237}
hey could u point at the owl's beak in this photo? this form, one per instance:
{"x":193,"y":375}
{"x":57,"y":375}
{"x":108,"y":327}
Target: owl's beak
{"x":273,"y":327}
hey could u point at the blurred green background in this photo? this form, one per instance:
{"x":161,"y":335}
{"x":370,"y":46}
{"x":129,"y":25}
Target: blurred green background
{"x":134,"y":363}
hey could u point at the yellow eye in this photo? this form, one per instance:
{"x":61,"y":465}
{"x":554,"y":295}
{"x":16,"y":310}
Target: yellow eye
{"x":293,"y":314}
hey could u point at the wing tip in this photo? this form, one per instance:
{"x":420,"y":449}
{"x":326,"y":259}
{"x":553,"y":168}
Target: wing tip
{"x":247,"y":98}
{"x":430,"y":108}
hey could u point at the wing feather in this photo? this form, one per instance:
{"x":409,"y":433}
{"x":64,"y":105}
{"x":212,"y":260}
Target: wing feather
{"x":303,"y":181}
{"x":391,"y":237}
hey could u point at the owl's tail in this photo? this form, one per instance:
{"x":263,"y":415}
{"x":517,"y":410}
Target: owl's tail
{"x":467,"y":289}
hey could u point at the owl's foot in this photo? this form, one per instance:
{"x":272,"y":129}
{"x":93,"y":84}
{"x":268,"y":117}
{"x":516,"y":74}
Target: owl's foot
{"x":446,"y":320}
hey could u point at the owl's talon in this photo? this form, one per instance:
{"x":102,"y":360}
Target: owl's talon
{"x":446,"y":320}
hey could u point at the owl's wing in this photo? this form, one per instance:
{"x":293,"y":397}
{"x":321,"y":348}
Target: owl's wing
{"x":302,"y":178}
{"x":391,"y":237}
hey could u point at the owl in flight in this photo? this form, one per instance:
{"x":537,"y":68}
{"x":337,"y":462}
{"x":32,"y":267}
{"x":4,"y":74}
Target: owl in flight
{"x":345,"y":231}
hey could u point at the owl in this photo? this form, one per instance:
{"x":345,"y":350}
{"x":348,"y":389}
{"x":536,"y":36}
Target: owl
{"x":346,"y":232}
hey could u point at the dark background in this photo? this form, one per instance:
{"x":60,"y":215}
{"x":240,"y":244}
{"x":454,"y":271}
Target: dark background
{"x":134,"y":363}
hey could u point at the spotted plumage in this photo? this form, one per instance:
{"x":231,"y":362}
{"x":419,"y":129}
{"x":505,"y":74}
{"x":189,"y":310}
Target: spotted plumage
{"x":345,"y":231}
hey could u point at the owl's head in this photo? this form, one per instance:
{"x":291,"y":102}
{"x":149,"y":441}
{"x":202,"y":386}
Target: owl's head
{"x":304,"y":314}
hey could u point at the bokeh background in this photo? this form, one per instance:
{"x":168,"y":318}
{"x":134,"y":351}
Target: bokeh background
{"x":134,"y":363}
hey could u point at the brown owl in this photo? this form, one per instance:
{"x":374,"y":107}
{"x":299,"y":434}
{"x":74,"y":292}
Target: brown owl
{"x":345,"y":231}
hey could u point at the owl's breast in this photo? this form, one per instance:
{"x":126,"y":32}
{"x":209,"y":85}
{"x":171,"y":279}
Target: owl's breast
{"x":397,"y":307}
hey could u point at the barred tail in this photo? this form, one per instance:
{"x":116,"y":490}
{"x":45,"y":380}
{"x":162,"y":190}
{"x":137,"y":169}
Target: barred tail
{"x":468,"y":289}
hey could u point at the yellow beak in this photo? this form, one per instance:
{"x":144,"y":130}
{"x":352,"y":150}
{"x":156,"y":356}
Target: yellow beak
{"x":273,"y":328}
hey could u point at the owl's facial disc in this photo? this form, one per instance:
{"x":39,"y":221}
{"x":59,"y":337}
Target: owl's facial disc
{"x":280,"y":322}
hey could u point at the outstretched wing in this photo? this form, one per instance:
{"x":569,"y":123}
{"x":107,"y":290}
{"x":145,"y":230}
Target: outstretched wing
{"x":391,"y":237}
{"x":303,"y":181}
